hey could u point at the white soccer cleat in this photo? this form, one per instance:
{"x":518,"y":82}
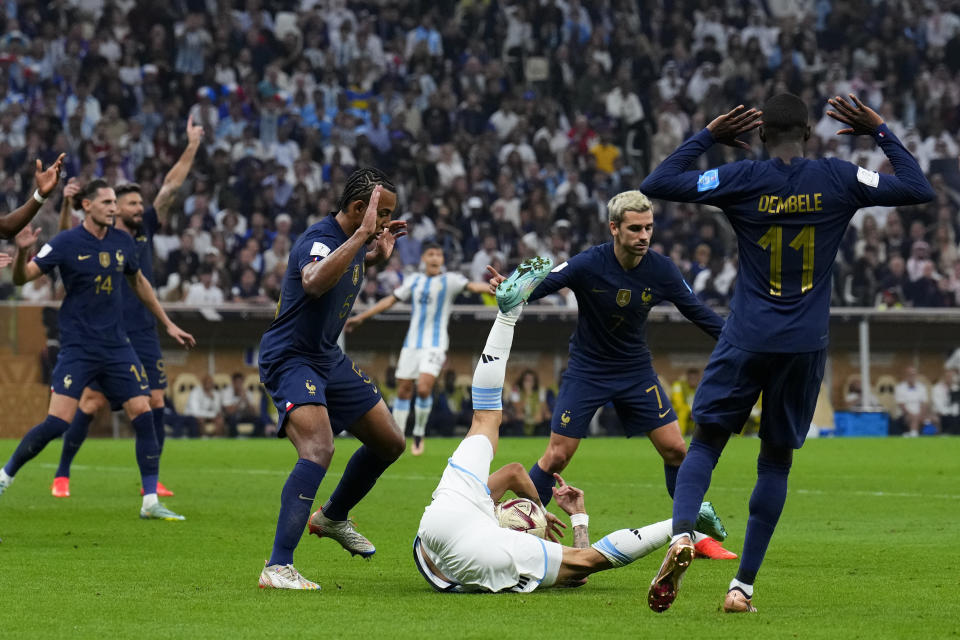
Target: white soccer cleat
{"x":5,"y":481}
{"x":343,"y":532}
{"x":284,"y":576}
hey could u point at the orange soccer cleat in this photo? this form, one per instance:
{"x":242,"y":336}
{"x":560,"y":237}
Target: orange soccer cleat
{"x":163,"y":492}
{"x":61,"y":487}
{"x":710,"y":548}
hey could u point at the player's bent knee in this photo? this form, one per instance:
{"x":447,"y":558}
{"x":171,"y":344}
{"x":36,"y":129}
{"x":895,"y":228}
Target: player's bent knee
{"x":136,"y":406}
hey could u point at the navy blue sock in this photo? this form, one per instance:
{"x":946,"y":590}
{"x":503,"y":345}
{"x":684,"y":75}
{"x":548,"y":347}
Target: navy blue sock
{"x":161,"y":431}
{"x":693,"y":480}
{"x":543,"y":481}
{"x":296,"y":499}
{"x":766,"y":505}
{"x":34,"y":442}
{"x":72,"y":440}
{"x":148,"y":453}
{"x":362,"y":472}
{"x":670,"y":474}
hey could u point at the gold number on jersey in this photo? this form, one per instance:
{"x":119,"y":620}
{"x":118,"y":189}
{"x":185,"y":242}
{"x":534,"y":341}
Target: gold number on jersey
{"x":804,"y":241}
{"x":103,"y":283}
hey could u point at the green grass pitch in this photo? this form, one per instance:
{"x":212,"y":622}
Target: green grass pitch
{"x":868,"y":547}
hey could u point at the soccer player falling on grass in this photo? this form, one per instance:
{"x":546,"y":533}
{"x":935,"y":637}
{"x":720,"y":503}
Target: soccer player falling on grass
{"x":789,"y":214}
{"x":318,"y":390}
{"x":616,"y":285}
{"x":141,"y":327}
{"x":92,"y":258}
{"x":460,"y":546}
{"x":431,"y":295}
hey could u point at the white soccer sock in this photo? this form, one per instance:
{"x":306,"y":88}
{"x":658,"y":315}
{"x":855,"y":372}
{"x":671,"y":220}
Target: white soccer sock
{"x":626,"y":545}
{"x":491,"y":369}
{"x":697,"y":537}
{"x":149,"y":499}
{"x":673,"y":539}
{"x":421,"y":413}
{"x":743,"y":586}
{"x":401,"y":409}
{"x":4,"y":476}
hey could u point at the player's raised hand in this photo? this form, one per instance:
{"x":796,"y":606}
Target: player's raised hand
{"x":47,"y":180}
{"x":568,"y":498}
{"x":27,"y":237}
{"x":495,"y":279}
{"x":860,"y":119}
{"x":182,"y":337}
{"x":5,"y":260}
{"x":555,"y":527}
{"x":72,"y":188}
{"x":194,"y":132}
{"x":369,"y":223}
{"x":726,"y":128}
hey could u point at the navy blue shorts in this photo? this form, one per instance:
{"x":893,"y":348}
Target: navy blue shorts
{"x":641,"y":403}
{"x":117,"y":372}
{"x":734,"y":379}
{"x":344,"y":389}
{"x":146,"y":345}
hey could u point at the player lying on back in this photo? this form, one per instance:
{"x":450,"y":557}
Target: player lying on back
{"x":616,"y":285}
{"x":790,"y":215}
{"x":431,"y":294}
{"x":141,"y":222}
{"x":460,"y":545}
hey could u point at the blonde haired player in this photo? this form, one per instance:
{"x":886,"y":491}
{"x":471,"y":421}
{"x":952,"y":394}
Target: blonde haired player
{"x":431,"y":294}
{"x":460,"y":546}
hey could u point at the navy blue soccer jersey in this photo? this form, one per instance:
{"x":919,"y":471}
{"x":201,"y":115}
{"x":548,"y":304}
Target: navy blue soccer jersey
{"x":306,"y":327}
{"x":613,"y":306}
{"x":92,"y":270}
{"x":789,"y":220}
{"x":137,"y":317}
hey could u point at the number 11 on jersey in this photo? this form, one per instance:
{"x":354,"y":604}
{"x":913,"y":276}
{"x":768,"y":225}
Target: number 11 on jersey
{"x":803,"y":242}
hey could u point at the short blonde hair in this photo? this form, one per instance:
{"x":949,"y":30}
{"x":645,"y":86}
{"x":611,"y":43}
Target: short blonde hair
{"x":627,"y":201}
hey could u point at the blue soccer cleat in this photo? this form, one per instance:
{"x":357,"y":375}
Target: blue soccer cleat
{"x":516,"y":289}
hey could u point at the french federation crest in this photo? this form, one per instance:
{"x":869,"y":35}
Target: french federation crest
{"x":646,"y":296}
{"x":119,"y":257}
{"x":311,"y":388}
{"x":67,"y":381}
{"x":623,"y":297}
{"x":104,"y":259}
{"x":356,"y":274}
{"x":565,"y":418}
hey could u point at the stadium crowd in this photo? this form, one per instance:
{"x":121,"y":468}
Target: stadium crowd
{"x":506,"y":126}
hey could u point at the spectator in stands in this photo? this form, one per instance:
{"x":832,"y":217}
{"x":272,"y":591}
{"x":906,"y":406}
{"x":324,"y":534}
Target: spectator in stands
{"x":203,"y":413}
{"x":239,"y":405}
{"x":913,"y":403}
{"x":530,"y":404}
{"x":681,"y":397}
{"x":945,"y":398}
{"x":203,"y":293}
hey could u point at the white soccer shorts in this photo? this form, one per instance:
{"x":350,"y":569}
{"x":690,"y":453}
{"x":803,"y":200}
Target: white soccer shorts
{"x":415,"y":361}
{"x":461,"y":536}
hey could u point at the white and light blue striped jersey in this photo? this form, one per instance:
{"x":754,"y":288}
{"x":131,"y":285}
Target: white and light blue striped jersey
{"x":432,"y":299}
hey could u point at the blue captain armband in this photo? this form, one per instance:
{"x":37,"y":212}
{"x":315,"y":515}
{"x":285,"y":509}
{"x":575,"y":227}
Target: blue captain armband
{"x":708,"y":180}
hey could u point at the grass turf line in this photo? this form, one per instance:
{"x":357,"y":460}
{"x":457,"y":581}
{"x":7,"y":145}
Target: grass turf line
{"x":868,"y":547}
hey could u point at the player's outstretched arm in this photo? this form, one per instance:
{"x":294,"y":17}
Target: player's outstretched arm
{"x":908,"y":185}
{"x":687,"y":303}
{"x":570,"y":499}
{"x":66,"y":207}
{"x":480,"y":288}
{"x":13,"y":222}
{"x":321,"y":276}
{"x":23,"y":271}
{"x":148,"y":297}
{"x":178,"y":172}
{"x":382,"y":305}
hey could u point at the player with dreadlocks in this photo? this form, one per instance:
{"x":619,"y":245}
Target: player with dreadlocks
{"x":318,"y":390}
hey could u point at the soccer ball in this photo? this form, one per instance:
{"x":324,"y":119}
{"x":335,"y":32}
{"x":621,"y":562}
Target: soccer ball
{"x":522,"y":514}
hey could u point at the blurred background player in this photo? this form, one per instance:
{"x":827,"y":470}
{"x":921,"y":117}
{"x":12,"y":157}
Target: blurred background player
{"x":460,"y":546}
{"x":94,"y":346}
{"x":790,"y":215}
{"x":431,"y":294}
{"x":318,"y":390}
{"x":616,"y":285}
{"x":141,"y":327}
